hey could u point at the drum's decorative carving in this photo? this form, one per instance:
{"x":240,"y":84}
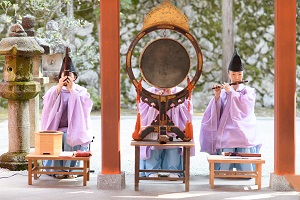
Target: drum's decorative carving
{"x":167,"y":14}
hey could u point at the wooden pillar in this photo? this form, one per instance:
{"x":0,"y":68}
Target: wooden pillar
{"x":285,"y":87}
{"x":110,"y":85}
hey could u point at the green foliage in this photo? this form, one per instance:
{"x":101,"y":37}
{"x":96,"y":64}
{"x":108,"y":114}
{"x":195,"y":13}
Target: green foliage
{"x":86,"y":14}
{"x":3,"y":103}
{"x":96,"y":100}
{"x":126,"y":4}
{"x":207,"y":27}
{"x":5,"y":5}
{"x":253,"y":36}
{"x":253,"y":30}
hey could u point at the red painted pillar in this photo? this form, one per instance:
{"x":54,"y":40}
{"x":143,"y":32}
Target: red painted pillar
{"x":110,"y":85}
{"x":285,"y":86}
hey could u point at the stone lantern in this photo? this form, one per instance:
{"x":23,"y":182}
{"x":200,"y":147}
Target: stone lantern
{"x":18,"y":87}
{"x":28,"y":23}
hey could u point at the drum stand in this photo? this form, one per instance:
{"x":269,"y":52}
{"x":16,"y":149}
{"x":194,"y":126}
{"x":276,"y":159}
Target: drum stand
{"x":164,"y":63}
{"x":162,"y":124}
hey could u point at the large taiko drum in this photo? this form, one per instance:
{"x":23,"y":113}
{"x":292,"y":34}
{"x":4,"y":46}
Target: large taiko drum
{"x":164,"y":63}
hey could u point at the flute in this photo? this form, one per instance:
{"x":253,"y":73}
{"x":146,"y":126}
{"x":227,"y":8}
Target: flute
{"x":235,"y":83}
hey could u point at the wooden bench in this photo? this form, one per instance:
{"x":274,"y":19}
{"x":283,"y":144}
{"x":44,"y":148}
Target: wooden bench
{"x":34,"y":169}
{"x":258,"y":161}
{"x":186,"y":162}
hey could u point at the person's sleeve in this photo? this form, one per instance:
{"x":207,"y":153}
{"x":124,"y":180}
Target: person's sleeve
{"x":242,"y":105}
{"x":181,"y":114}
{"x":209,"y":127}
{"x":148,"y":113}
{"x":79,"y":109}
{"x":51,"y":105}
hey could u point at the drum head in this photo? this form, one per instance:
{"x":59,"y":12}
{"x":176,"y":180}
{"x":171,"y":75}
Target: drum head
{"x":164,"y":63}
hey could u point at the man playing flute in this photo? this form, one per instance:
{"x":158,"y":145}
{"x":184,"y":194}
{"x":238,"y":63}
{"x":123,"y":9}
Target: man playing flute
{"x":229,"y":122}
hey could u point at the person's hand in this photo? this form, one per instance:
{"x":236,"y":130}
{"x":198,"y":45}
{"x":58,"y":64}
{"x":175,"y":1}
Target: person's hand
{"x":164,"y":92}
{"x":217,"y":91}
{"x":65,"y":81}
{"x":167,"y":91}
{"x":69,"y":83}
{"x":160,"y":92}
{"x":61,"y":83}
{"x":227,"y":87}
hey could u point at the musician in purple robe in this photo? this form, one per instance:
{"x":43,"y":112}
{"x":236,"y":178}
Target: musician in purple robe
{"x":66,"y":108}
{"x":166,"y":158}
{"x":229,"y":122}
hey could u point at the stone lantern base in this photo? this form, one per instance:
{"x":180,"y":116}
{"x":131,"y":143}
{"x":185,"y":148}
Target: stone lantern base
{"x":14,"y":161}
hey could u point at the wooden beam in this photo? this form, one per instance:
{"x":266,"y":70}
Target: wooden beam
{"x":110,"y":85}
{"x":285,"y":87}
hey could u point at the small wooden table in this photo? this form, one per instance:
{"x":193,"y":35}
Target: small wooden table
{"x":212,"y":159}
{"x":186,"y":162}
{"x":35,"y":169}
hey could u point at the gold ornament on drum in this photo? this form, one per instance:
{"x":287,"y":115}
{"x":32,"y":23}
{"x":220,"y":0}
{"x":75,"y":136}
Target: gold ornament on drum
{"x":166,"y":14}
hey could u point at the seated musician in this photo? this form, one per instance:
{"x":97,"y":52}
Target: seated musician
{"x":66,"y":108}
{"x":229,"y":122}
{"x":158,"y":157}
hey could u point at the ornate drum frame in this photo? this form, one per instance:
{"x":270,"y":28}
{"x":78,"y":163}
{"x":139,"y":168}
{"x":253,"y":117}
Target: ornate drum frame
{"x":163,"y":124}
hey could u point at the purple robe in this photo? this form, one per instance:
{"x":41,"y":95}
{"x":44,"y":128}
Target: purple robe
{"x":230,"y":121}
{"x":179,"y":115}
{"x":68,"y":112}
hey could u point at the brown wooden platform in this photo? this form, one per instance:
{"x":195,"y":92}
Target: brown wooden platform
{"x":34,"y":169}
{"x":186,"y":162}
{"x":258,"y":161}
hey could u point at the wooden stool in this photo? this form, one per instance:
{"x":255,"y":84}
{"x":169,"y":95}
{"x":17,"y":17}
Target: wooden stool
{"x":186,"y":162}
{"x":258,"y":161}
{"x":35,"y":169}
